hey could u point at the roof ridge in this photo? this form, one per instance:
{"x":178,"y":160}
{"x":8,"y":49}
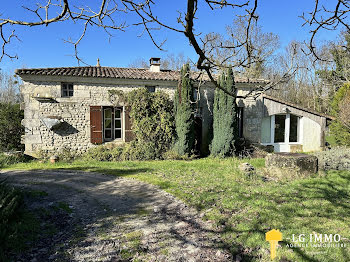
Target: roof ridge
{"x":120,"y":72}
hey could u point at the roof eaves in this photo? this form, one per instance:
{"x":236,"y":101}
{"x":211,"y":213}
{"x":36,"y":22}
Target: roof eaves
{"x":311,"y":111}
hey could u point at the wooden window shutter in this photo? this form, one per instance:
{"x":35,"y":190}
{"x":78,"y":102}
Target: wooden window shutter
{"x":96,"y":124}
{"x":129,"y":135}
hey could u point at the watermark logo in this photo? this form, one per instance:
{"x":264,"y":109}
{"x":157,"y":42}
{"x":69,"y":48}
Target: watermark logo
{"x":273,"y":236}
{"x":315,"y":241}
{"x":318,"y":243}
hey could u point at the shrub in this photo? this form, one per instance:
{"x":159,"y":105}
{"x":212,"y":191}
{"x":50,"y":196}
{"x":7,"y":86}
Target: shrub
{"x":338,"y":130}
{"x":10,"y":127}
{"x":334,"y":159}
{"x":66,"y":155}
{"x":104,"y":153}
{"x":136,"y":150}
{"x":152,"y":123}
{"x":174,"y":155}
{"x":224,"y":117}
{"x":10,"y":159}
{"x":10,"y":203}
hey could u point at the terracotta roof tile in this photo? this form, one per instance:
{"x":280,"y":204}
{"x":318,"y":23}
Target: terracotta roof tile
{"x":115,"y":72}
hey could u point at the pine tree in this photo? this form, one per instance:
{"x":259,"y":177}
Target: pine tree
{"x":224,"y":117}
{"x":184,"y":119}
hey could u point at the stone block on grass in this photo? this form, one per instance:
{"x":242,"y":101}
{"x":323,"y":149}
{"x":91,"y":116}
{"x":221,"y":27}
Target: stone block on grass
{"x":290,"y":165}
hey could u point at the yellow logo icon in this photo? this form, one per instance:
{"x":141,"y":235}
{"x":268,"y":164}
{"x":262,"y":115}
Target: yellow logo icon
{"x":273,"y":237}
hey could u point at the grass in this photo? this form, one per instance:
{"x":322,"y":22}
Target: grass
{"x":243,"y":208}
{"x":18,"y":226}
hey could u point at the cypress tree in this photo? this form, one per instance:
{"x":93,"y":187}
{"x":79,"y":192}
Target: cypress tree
{"x":184,"y":119}
{"x":224,"y":117}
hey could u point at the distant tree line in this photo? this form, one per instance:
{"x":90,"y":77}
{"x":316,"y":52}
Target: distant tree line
{"x":11,"y":115}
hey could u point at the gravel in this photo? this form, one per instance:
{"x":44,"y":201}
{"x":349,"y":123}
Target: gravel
{"x":108,"y":218}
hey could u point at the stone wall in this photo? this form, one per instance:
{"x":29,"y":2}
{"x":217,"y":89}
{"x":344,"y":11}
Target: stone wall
{"x":252,"y":117}
{"x":74,"y":132}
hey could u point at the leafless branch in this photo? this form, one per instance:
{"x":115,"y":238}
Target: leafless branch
{"x":322,"y":18}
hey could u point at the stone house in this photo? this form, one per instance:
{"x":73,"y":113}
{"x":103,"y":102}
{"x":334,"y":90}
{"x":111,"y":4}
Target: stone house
{"x":76,"y":108}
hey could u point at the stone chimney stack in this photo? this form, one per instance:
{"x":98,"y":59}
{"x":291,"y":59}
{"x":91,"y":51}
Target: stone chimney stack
{"x":154,"y":64}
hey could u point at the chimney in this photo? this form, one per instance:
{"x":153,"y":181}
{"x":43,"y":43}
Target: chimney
{"x":154,"y":64}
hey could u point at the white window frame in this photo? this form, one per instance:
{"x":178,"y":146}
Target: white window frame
{"x":107,"y":128}
{"x":113,"y":128}
{"x":286,"y":131}
{"x":121,"y":123}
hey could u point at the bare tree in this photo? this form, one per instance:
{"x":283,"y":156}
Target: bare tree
{"x":113,"y":15}
{"x":169,"y":62}
{"x":110,"y":11}
{"x":257,"y":52}
{"x":326,"y":15}
{"x":9,"y":88}
{"x":305,"y":87}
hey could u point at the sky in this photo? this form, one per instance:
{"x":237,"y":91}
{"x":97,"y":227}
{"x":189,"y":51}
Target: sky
{"x":45,"y":47}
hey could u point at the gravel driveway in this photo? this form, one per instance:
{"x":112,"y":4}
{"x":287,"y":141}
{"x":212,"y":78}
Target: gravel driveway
{"x":115,"y":219}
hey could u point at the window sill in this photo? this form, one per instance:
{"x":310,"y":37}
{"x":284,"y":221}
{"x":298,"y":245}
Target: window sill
{"x":115,"y":141}
{"x":291,"y":143}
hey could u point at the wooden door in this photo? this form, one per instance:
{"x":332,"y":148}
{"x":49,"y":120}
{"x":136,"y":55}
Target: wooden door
{"x":96,"y":124}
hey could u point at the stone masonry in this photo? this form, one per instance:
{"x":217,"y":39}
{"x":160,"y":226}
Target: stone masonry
{"x":74,"y":133}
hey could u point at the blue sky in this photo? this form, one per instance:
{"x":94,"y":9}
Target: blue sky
{"x":44,"y":46}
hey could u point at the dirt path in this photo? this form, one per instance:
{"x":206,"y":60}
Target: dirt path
{"x":114,"y":219}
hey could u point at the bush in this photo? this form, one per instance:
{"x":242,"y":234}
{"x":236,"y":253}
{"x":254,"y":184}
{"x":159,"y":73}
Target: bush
{"x":66,"y":155}
{"x":11,"y":129}
{"x":10,"y":159}
{"x":174,"y":155}
{"x":339,"y":132}
{"x":334,"y":159}
{"x":152,"y":123}
{"x":136,"y":150}
{"x":131,"y":151}
{"x":104,"y":153}
{"x":10,"y":204}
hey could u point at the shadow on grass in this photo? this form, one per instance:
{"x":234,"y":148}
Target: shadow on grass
{"x":316,"y":199}
{"x":106,"y":171}
{"x":309,"y":206}
{"x":66,"y":185}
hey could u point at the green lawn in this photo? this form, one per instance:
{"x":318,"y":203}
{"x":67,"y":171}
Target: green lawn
{"x":243,"y":208}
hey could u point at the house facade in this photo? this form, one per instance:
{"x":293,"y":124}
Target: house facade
{"x":76,"y":108}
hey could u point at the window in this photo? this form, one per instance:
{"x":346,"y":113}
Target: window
{"x":112,"y":123}
{"x":151,"y":89}
{"x":117,"y":123}
{"x":285,"y":128}
{"x":293,"y":133}
{"x":280,"y":124}
{"x":67,"y":89}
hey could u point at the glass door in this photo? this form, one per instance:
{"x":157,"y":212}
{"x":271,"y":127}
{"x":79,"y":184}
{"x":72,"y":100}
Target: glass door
{"x":107,"y":124}
{"x":117,"y":123}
